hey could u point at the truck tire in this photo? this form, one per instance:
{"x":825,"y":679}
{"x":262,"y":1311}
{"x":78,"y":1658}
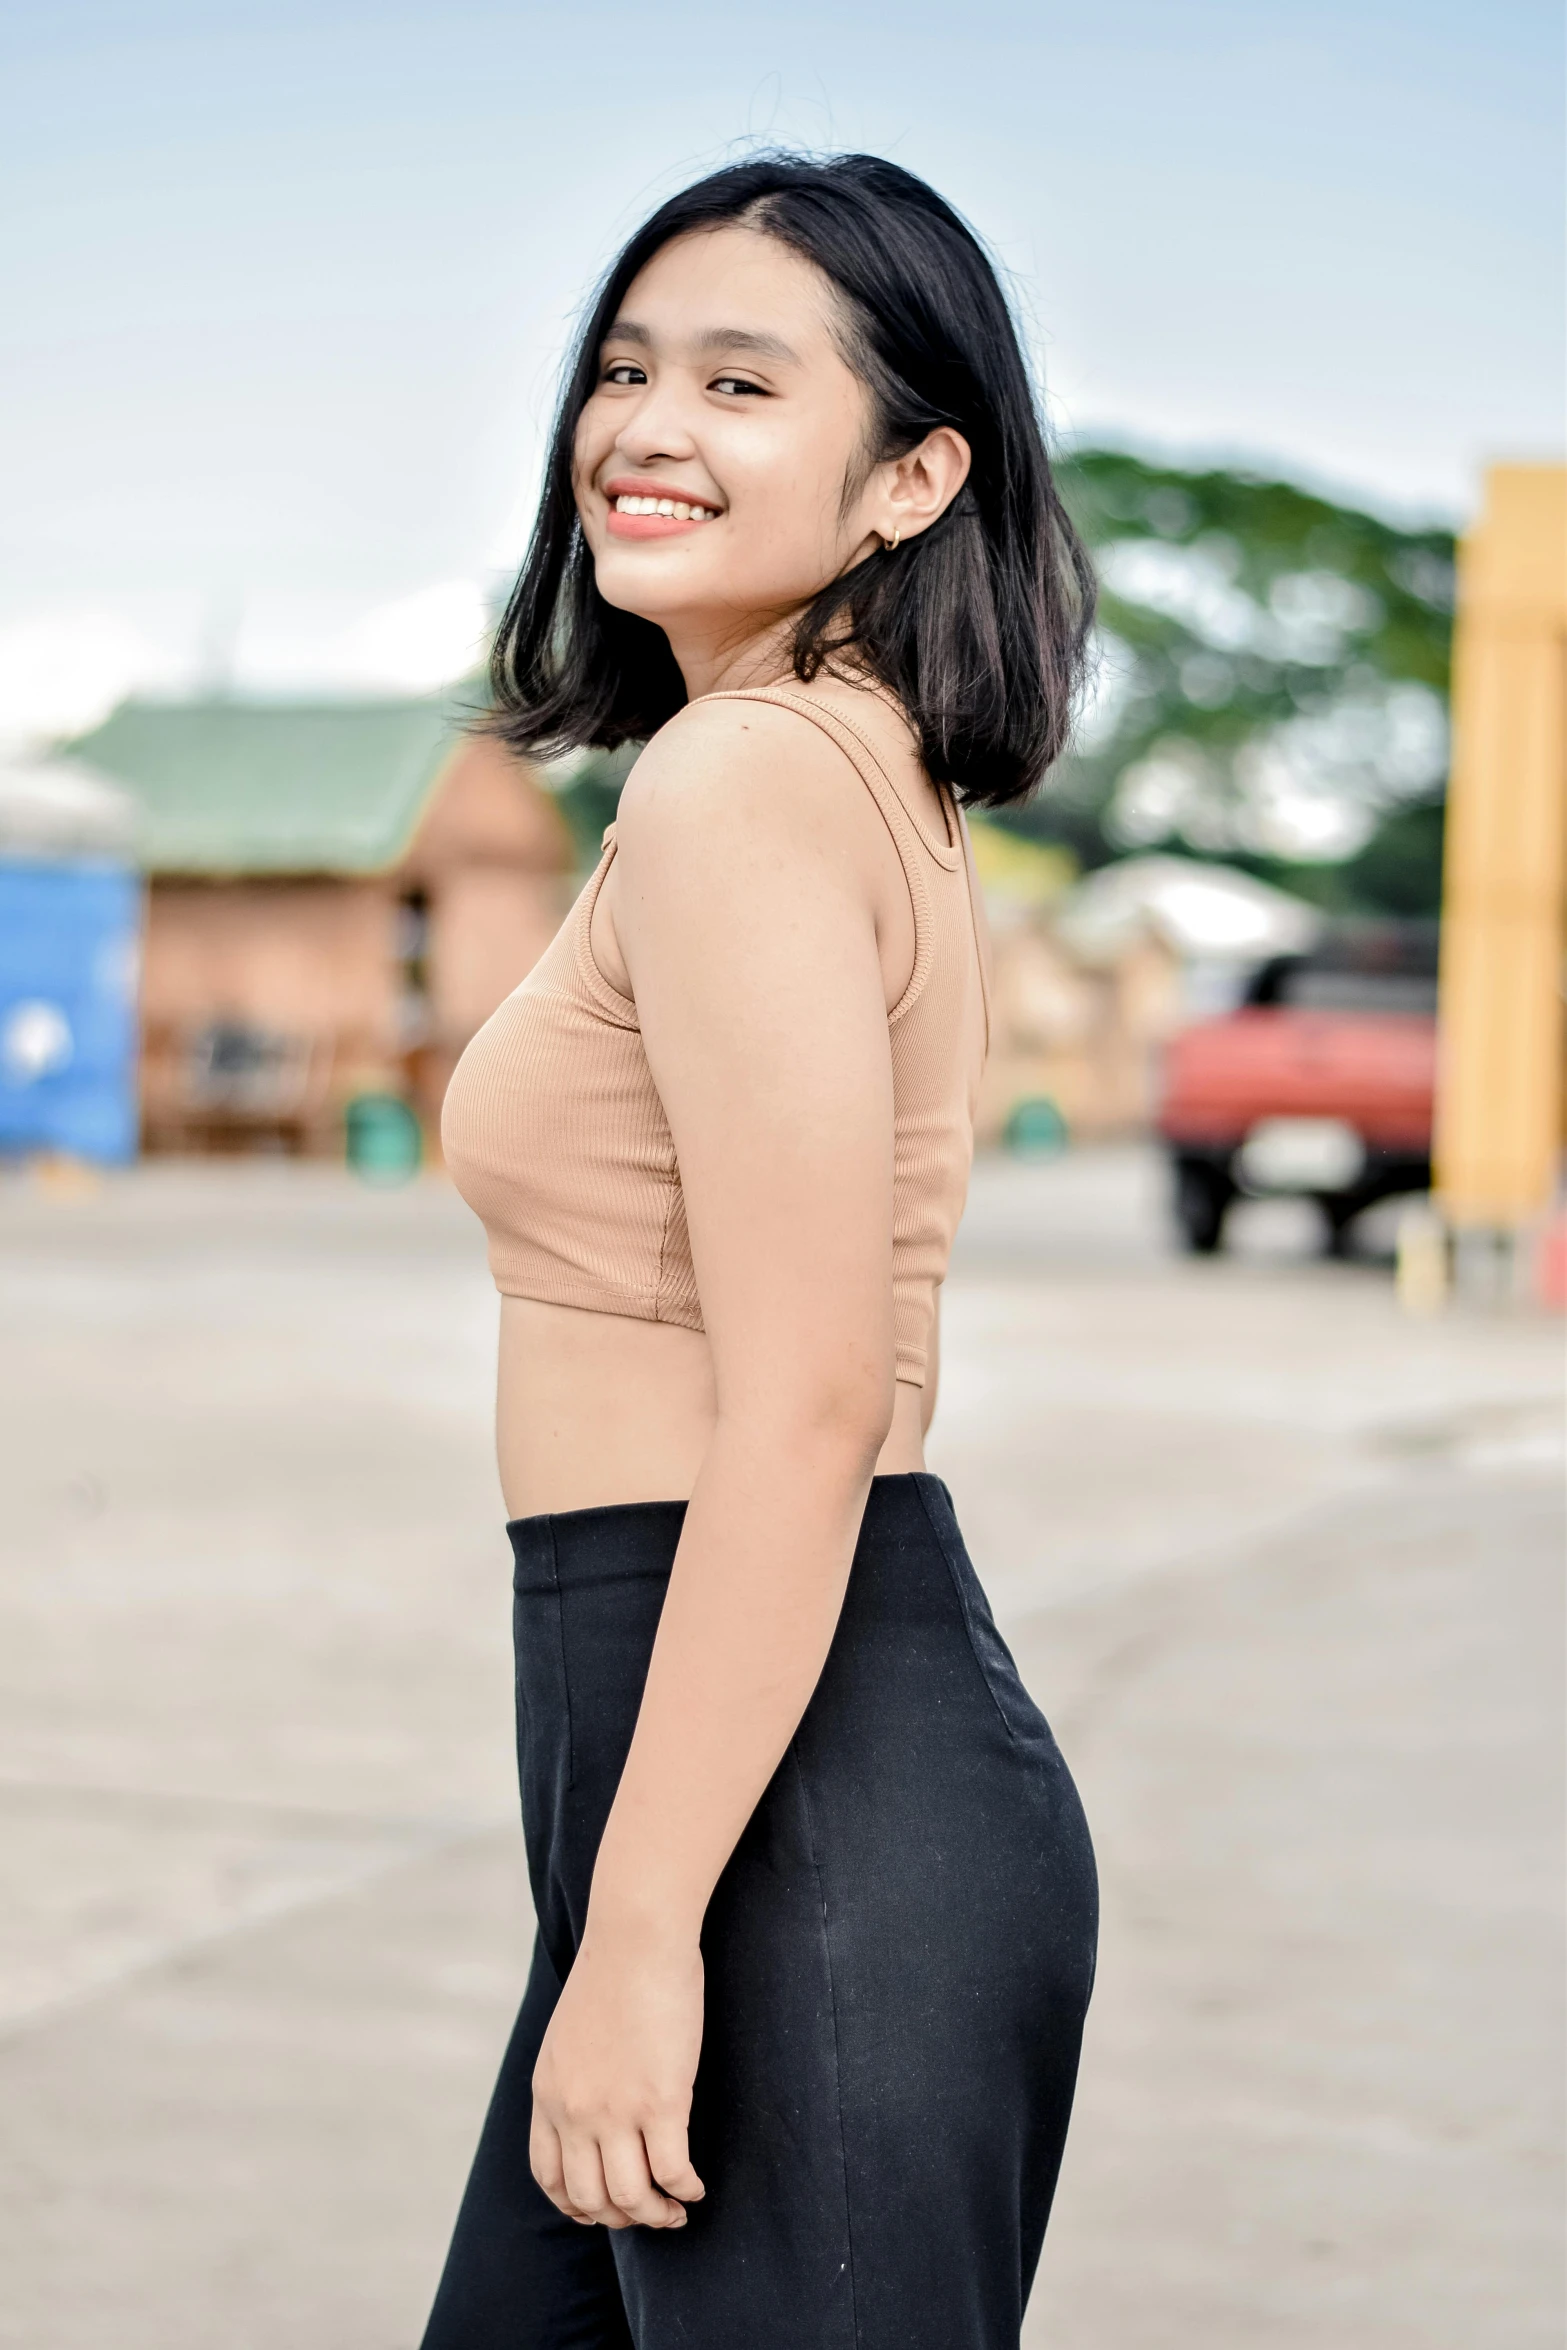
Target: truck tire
{"x":1203,"y":1194}
{"x":1338,"y":1213}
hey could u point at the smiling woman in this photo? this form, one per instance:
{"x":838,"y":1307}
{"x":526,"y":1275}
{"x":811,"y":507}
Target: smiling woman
{"x":898,"y":331}
{"x":815,"y":1897}
{"x":752,"y":429}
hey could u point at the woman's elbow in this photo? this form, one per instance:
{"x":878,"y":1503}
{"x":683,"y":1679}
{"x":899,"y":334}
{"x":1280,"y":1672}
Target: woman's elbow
{"x":839,"y":1416}
{"x":849,"y":1413}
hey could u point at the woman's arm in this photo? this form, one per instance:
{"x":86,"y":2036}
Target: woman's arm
{"x":746,"y":886}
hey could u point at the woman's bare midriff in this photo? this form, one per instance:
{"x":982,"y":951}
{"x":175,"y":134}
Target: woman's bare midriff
{"x":594,"y":1409}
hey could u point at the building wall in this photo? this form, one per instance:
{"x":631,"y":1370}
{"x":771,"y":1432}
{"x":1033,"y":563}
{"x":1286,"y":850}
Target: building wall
{"x":488,"y":927}
{"x":491,"y":866}
{"x":489,"y":809}
{"x":308,"y":969}
{"x":267,"y":1004}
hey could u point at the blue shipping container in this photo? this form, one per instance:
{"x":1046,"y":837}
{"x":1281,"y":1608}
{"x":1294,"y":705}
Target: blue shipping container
{"x":70,"y":939}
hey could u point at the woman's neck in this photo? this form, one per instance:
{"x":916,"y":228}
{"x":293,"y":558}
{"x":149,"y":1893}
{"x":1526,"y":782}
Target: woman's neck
{"x":712,"y":662}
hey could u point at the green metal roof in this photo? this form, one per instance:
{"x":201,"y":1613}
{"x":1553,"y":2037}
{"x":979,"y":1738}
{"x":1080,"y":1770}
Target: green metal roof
{"x":277,"y":787}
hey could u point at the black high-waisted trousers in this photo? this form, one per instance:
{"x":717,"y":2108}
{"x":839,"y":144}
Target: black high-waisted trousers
{"x":898,"y":1960}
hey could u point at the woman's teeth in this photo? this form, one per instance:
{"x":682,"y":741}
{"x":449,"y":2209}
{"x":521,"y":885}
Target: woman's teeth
{"x":677,"y":509}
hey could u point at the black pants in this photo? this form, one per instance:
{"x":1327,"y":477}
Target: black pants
{"x":898,"y":1958}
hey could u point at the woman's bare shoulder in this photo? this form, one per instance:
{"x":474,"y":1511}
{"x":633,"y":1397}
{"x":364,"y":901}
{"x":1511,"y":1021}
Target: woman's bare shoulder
{"x":731,"y":766}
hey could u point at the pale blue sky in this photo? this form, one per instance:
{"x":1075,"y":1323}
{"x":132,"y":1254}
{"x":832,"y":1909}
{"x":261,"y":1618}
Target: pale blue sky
{"x":283,"y":287}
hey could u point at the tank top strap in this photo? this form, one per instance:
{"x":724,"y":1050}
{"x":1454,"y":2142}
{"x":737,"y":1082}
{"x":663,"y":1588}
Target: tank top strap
{"x":902,"y":820}
{"x":908,"y":836}
{"x":956,"y":854}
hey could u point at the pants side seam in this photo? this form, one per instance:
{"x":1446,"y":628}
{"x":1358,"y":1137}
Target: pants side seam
{"x":837,"y":2065}
{"x":565,"y":1675}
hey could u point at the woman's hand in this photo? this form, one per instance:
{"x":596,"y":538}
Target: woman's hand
{"x":612,"y":2087}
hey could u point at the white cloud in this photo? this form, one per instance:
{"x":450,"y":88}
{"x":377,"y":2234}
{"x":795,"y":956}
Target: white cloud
{"x":417,"y":643}
{"x":61,"y":672}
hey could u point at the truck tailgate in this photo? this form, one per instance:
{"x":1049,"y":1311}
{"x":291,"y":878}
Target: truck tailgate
{"x":1375,"y":1071}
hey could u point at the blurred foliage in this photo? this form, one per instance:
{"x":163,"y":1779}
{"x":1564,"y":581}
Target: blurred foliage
{"x":1397,"y":871}
{"x":588,"y":789}
{"x":1014,"y":869}
{"x":1272,"y":684}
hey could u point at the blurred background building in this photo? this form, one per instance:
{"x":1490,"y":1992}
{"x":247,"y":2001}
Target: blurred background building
{"x":337,"y":894}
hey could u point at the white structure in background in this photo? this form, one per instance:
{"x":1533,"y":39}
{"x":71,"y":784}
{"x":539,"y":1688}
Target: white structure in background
{"x":1220,"y":924}
{"x":63,"y":808}
{"x":70,"y":919}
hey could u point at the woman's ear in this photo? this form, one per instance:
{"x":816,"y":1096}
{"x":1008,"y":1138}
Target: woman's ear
{"x":918,"y":489}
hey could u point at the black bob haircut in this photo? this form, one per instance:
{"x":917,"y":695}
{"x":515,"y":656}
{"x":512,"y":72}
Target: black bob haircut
{"x":978,"y":626}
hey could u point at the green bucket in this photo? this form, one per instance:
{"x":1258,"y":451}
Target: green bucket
{"x":385,"y":1144}
{"x":1035,"y":1128}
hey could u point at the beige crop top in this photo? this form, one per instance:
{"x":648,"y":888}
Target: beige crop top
{"x":557,"y":1139}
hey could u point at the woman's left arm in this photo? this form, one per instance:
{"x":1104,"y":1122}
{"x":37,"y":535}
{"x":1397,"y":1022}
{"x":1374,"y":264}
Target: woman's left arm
{"x":744,"y":908}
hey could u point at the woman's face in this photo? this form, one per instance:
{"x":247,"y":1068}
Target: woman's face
{"x":722,"y":391}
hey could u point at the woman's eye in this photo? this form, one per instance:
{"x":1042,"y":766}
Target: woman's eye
{"x":736,"y":383}
{"x":624,"y":371}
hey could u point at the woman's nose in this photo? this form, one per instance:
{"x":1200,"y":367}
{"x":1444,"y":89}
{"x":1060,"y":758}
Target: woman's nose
{"x":659,"y":426}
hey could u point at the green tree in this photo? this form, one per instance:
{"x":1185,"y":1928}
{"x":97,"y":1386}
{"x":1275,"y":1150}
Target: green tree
{"x":1272,"y":683}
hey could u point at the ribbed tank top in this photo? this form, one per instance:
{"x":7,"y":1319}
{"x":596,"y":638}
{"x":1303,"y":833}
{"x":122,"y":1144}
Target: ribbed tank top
{"x":556,"y":1137}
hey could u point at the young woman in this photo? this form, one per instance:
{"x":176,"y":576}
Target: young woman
{"x":816,"y":1901}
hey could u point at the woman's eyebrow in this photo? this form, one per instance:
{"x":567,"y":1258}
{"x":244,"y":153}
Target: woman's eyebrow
{"x":743,"y":338}
{"x":713,"y":338}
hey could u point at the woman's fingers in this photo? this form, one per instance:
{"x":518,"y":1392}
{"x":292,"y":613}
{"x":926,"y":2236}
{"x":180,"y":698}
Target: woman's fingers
{"x":585,"y":2188}
{"x":611,"y":2183}
{"x":630,"y":2183}
{"x":547,"y":2163}
{"x":669,"y":2159}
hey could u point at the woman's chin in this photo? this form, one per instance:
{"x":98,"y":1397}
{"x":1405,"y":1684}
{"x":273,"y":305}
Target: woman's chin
{"x":675,"y":596}
{"x":653,"y":588}
{"x":642,"y":601}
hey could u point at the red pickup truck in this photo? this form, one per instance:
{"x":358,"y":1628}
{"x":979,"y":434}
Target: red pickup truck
{"x":1319,"y":1085}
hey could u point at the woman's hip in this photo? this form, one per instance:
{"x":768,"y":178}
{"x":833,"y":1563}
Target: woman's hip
{"x":923,"y":1798}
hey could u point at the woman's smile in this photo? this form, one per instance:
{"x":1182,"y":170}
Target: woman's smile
{"x":642,"y":510}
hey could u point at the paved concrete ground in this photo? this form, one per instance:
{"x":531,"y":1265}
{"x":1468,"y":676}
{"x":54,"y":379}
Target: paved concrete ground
{"x":1283,"y":1568}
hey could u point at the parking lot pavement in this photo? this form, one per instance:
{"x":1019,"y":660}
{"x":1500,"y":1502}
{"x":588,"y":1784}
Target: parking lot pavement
{"x":1282,"y":1566}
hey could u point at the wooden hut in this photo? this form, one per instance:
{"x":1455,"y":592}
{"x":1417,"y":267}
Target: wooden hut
{"x":339,"y":894}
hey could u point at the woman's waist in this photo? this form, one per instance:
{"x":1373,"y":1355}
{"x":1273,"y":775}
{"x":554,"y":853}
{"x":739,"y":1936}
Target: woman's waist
{"x":914,"y":1644}
{"x":598,"y":1409}
{"x":590,"y":1584}
{"x":601,"y":1410}
{"x":908,"y":1516}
